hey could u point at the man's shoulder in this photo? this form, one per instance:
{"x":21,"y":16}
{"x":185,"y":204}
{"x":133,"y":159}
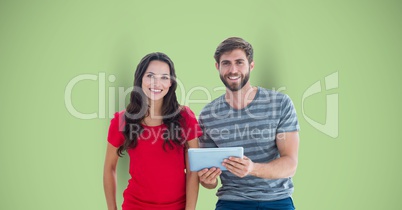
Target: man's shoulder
{"x":212,"y":105}
{"x":271,"y":94}
{"x":270,"y":97}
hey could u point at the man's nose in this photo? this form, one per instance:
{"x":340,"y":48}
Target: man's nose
{"x":233,"y":68}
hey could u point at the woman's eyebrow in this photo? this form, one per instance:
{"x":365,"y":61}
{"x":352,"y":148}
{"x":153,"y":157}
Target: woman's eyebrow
{"x":150,"y":72}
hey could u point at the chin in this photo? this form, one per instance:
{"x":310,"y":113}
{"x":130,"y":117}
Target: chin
{"x":157,"y":98}
{"x":234,"y":87}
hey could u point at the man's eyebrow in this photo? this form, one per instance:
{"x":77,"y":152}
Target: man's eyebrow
{"x":240,"y":59}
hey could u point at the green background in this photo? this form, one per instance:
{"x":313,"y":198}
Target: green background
{"x":51,"y":159}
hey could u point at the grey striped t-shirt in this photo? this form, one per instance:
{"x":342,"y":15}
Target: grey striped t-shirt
{"x":254,"y":128}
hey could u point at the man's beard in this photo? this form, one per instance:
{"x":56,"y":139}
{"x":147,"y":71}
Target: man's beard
{"x":235,"y":87}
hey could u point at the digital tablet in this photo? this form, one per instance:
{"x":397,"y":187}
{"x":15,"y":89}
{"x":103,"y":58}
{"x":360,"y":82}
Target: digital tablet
{"x":201,"y":158}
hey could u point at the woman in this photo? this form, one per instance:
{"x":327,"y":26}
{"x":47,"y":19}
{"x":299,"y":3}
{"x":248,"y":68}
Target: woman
{"x":156,"y":132}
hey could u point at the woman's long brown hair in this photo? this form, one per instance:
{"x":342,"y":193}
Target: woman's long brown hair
{"x":137,"y":109}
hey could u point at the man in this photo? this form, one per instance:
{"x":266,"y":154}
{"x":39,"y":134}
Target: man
{"x":261,"y":121}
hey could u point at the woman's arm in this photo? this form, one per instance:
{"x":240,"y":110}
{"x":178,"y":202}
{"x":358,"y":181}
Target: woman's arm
{"x":209,"y":177}
{"x":191,"y":179}
{"x":109,"y":176}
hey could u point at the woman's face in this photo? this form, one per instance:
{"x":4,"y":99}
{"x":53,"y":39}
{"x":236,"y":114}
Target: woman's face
{"x":156,"y":81}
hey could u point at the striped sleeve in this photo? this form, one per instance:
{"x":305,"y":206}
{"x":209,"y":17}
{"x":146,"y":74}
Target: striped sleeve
{"x":205,"y":140}
{"x":288,"y":119}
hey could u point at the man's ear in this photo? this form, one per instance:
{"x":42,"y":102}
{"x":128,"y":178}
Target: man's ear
{"x":251,"y":66}
{"x":217,"y":66}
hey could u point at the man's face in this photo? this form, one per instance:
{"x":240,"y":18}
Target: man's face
{"x":234,"y":69}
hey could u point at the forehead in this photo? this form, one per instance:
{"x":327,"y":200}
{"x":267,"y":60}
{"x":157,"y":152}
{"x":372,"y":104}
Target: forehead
{"x":233,"y":55}
{"x":158,"y":67}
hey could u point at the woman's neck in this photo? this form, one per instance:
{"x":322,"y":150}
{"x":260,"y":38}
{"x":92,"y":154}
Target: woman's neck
{"x":155,"y":109}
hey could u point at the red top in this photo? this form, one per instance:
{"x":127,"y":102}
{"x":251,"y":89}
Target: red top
{"x":158,"y":179}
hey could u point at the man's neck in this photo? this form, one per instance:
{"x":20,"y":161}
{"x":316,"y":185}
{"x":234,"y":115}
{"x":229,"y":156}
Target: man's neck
{"x":241,"y":98}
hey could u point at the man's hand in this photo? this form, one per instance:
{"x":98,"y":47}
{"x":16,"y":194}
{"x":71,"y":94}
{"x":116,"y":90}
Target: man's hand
{"x":239,"y":167}
{"x":209,"y":177}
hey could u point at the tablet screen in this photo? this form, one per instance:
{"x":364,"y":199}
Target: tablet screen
{"x":201,"y":158}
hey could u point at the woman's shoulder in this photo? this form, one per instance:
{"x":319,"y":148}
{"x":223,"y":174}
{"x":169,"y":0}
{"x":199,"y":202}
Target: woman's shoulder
{"x":119,"y":114}
{"x":186,"y":112}
{"x":184,"y":109}
{"x":119,"y":119}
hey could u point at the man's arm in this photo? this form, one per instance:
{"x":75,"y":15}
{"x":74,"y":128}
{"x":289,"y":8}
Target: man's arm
{"x":283,"y":167}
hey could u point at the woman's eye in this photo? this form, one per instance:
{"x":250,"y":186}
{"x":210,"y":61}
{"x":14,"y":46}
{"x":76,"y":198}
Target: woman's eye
{"x":165,"y":78}
{"x":150,"y":76}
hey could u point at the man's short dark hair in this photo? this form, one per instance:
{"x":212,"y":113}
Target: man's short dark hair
{"x":233,"y":43}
